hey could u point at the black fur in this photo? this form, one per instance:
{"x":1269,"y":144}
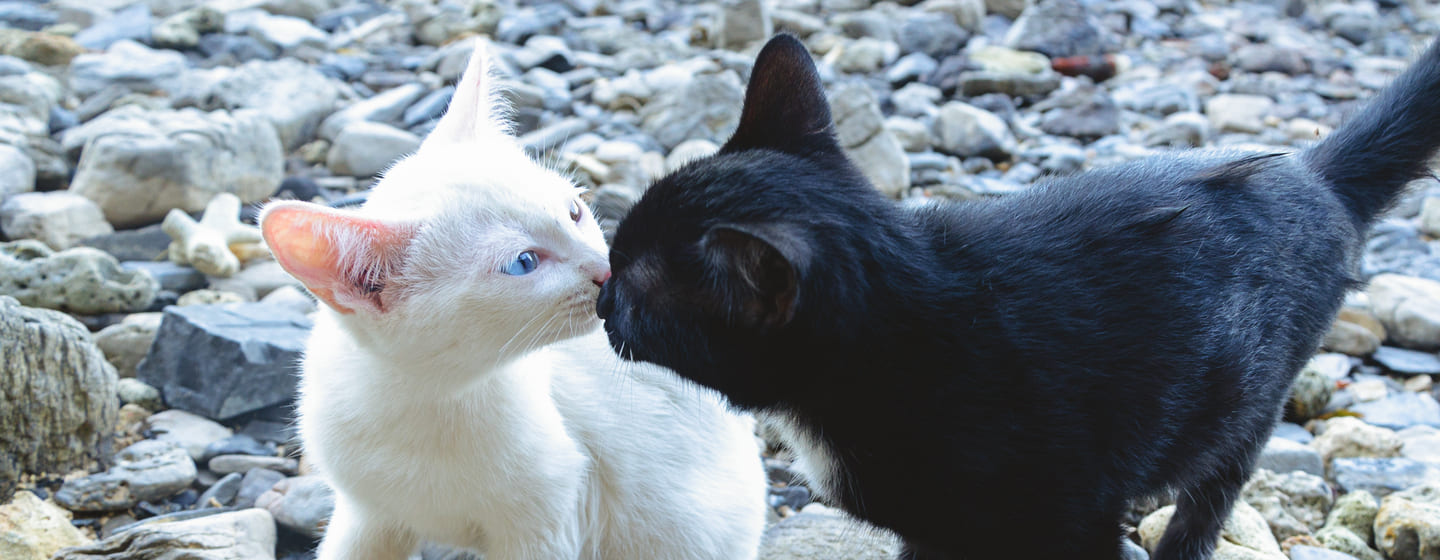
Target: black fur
{"x":999,"y":379}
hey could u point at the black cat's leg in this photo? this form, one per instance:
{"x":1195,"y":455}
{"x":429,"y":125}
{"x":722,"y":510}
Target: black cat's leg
{"x":1200,"y":513}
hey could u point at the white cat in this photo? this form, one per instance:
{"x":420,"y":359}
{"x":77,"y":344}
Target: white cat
{"x":457,"y":388}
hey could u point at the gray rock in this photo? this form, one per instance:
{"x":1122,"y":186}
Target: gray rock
{"x":1057,"y":28}
{"x":256,"y":280}
{"x":237,"y":535}
{"x":1400,"y":410}
{"x":936,"y":35}
{"x":192,"y":433}
{"x":234,"y":464}
{"x":1180,"y":130}
{"x":1008,"y":8}
{"x":222,"y":493}
{"x":1407,"y":362}
{"x":79,"y":280}
{"x":909,"y":68}
{"x":25,"y":15}
{"x":126,"y":343}
{"x":1093,"y":116}
{"x":302,"y":503}
{"x":1379,"y":476}
{"x":386,"y":107}
{"x":428,"y":108}
{"x":860,"y":128}
{"x":1270,"y":58}
{"x":1283,"y":456}
{"x":177,"y":278}
{"x":1303,"y":552}
{"x":292,"y":298}
{"x":1293,"y":432}
{"x":255,"y":483}
{"x":743,"y":22}
{"x":965,"y":130}
{"x":1292,"y":504}
{"x":148,"y":244}
{"x":364,"y":149}
{"x":57,"y":219}
{"x":1158,"y":99}
{"x":1309,"y":394}
{"x":131,"y":23}
{"x":238,"y":444}
{"x":57,"y":395}
{"x":138,"y":165}
{"x":705,"y":108}
{"x":136,"y":392}
{"x":293,"y":96}
{"x":1421,"y":443}
{"x":225,"y":360}
{"x":1018,"y":84}
{"x":819,"y":533}
{"x":182,"y":30}
{"x":129,"y":65}
{"x":149,"y":470}
{"x":279,"y":32}
{"x":17,"y":172}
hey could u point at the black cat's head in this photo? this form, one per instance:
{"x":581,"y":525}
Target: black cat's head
{"x":722,"y":264}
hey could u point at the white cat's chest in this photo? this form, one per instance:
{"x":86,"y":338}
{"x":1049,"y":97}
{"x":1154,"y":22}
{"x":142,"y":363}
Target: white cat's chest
{"x":435,"y":460}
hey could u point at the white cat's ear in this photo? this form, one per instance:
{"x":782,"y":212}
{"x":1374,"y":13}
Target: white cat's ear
{"x":475,"y":108}
{"x":347,"y":261}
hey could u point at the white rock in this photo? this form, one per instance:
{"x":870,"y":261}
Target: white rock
{"x":366,"y":148}
{"x":1409,"y":307}
{"x":688,"y":151}
{"x":1245,"y":535}
{"x":1351,"y":437}
{"x":17,"y":172}
{"x":386,"y":106}
{"x":33,"y":529}
{"x":860,"y":128}
{"x":247,"y":534}
{"x":743,"y":22}
{"x":965,"y":130}
{"x":189,"y":431}
{"x":1238,"y":112}
{"x":127,"y":64}
{"x":292,"y":95}
{"x":58,"y":219}
{"x":138,"y":165}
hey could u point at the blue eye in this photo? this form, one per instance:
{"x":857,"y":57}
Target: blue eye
{"x":523,"y":264}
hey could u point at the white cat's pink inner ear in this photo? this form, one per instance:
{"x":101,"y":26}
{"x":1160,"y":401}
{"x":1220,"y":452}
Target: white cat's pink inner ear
{"x":331,"y":252}
{"x":470,"y":106}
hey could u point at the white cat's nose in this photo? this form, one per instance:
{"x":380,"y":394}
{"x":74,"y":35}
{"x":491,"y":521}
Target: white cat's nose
{"x":598,"y":273}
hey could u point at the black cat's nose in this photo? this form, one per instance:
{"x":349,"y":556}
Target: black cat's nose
{"x":605,"y":304}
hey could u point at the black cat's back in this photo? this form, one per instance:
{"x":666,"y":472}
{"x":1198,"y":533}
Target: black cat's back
{"x":1092,"y":340}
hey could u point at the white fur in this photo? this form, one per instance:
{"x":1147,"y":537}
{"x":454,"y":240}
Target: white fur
{"x":486,"y":411}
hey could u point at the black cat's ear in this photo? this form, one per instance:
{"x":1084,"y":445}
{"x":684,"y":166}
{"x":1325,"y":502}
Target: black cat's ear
{"x":785,"y":105}
{"x":758,"y":268}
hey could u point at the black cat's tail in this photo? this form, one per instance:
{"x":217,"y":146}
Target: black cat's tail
{"x":1389,"y":143}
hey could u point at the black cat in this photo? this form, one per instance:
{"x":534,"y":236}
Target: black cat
{"x":997,"y":380}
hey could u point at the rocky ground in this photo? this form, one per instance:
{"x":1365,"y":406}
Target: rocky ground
{"x":148,"y":340}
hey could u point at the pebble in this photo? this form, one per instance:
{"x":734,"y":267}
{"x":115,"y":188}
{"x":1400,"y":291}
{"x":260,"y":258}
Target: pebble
{"x":1379,"y":476}
{"x":189,"y":431}
{"x":364,"y":149}
{"x":1283,"y":455}
{"x":222,"y":493}
{"x":965,"y":130}
{"x":136,"y":392}
{"x":58,"y":219}
{"x":255,"y":483}
{"x":228,"y":464}
{"x":149,"y":470}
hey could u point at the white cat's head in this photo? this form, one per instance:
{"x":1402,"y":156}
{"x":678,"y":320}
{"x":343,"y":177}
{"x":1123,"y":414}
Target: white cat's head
{"x":467,"y":246}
